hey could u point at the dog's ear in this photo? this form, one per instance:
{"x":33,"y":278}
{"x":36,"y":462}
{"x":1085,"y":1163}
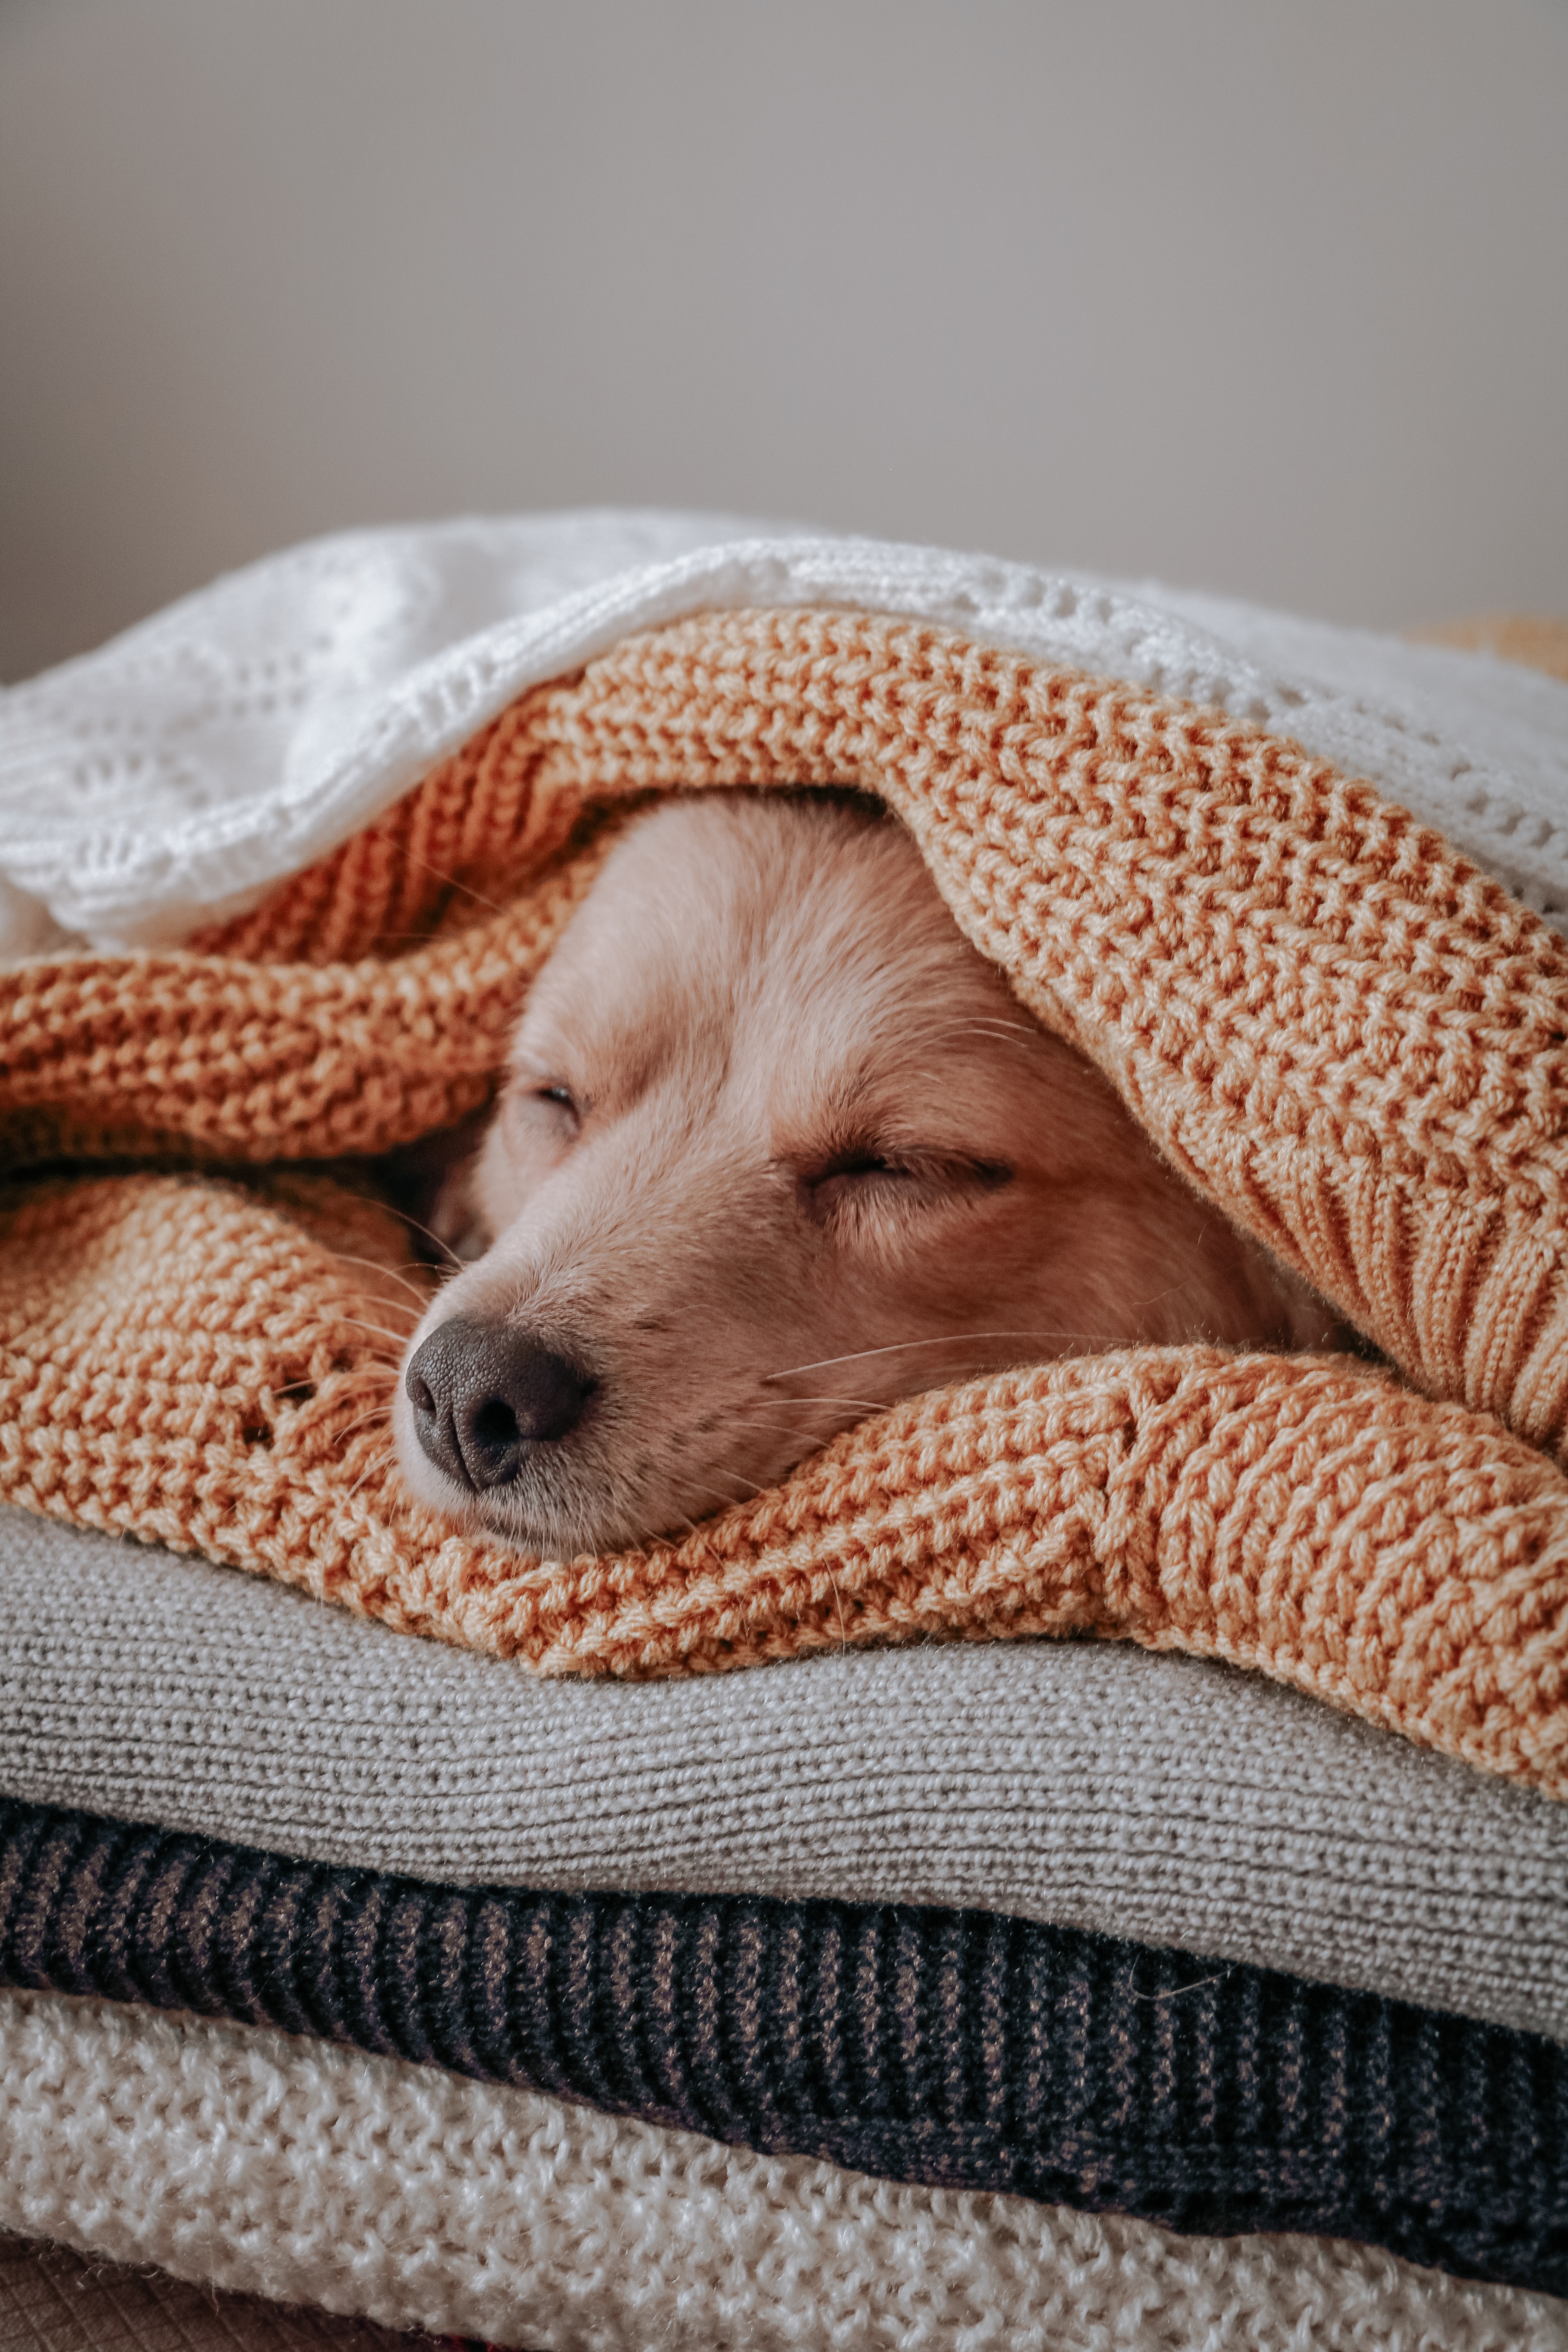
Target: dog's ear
{"x":431,"y":1184}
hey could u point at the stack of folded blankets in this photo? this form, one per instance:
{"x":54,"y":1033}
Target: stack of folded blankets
{"x":1084,"y":1860}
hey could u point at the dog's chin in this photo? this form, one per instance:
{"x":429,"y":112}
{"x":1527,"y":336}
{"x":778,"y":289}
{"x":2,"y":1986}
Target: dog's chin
{"x":528,"y":1517}
{"x":548,"y":1527}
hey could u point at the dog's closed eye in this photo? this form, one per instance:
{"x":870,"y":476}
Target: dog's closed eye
{"x":865,"y":1181}
{"x":548,"y":1106}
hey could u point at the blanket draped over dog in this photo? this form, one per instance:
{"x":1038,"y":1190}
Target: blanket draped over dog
{"x":1350,"y":1041}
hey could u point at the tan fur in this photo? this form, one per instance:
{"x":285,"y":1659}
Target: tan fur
{"x":815,"y":1157}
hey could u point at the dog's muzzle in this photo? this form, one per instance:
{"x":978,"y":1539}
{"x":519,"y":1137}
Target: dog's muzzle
{"x":484,"y":1395}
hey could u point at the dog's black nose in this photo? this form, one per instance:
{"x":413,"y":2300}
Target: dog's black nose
{"x":483,"y":1394}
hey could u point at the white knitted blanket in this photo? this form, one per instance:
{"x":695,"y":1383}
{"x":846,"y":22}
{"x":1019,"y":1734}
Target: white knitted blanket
{"x":171,"y":777}
{"x":297,"y":2170}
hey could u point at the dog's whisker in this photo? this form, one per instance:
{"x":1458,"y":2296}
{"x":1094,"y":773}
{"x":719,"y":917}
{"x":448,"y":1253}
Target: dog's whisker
{"x":372,"y":1360}
{"x":996,"y":1028}
{"x":822,"y":1396}
{"x":398,"y":1338}
{"x":751,"y":1485}
{"x":388,"y":1307}
{"x":382,"y":1412}
{"x":804,"y":1433}
{"x":865,"y":1404}
{"x":390,"y":1273}
{"x":430,"y":1234}
{"x":940,"y":1340}
{"x":377,"y":1201}
{"x":381,"y":1464}
{"x":931,"y":1034}
{"x":699,"y":1535}
{"x":718,"y":1493}
{"x":1171,"y":1290}
{"x":452,"y":883}
{"x":843,"y":1636}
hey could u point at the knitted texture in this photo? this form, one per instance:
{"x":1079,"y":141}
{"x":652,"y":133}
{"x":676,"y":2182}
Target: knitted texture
{"x":949,"y":2047}
{"x":253,"y":726}
{"x":292,"y":2169}
{"x":1346,"y":1037}
{"x":1165,"y":1799}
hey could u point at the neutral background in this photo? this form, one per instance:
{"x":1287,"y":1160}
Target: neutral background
{"x":1265,"y":296}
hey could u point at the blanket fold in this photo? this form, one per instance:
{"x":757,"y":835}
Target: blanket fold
{"x":1351,"y":1042}
{"x":953,"y":2048}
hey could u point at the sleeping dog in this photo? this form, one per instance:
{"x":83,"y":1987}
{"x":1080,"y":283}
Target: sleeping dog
{"x":777,"y":1146}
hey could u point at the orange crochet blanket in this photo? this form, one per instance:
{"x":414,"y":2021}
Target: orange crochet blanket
{"x":1351,"y":1042}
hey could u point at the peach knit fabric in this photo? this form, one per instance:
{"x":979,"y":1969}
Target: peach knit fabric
{"x":1349,"y":1039}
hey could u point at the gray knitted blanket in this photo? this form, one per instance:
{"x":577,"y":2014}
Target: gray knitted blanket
{"x":1155,"y":1798}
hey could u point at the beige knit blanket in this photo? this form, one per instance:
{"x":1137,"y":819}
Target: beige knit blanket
{"x":1345,"y":1036}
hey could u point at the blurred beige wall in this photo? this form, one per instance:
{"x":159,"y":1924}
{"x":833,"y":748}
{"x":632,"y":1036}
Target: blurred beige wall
{"x":1264,"y":296}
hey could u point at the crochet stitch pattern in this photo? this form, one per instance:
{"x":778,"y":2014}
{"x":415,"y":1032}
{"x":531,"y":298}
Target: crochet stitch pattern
{"x":1347,"y":1038}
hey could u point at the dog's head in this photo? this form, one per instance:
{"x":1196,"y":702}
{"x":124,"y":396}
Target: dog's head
{"x":776,"y":1146}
